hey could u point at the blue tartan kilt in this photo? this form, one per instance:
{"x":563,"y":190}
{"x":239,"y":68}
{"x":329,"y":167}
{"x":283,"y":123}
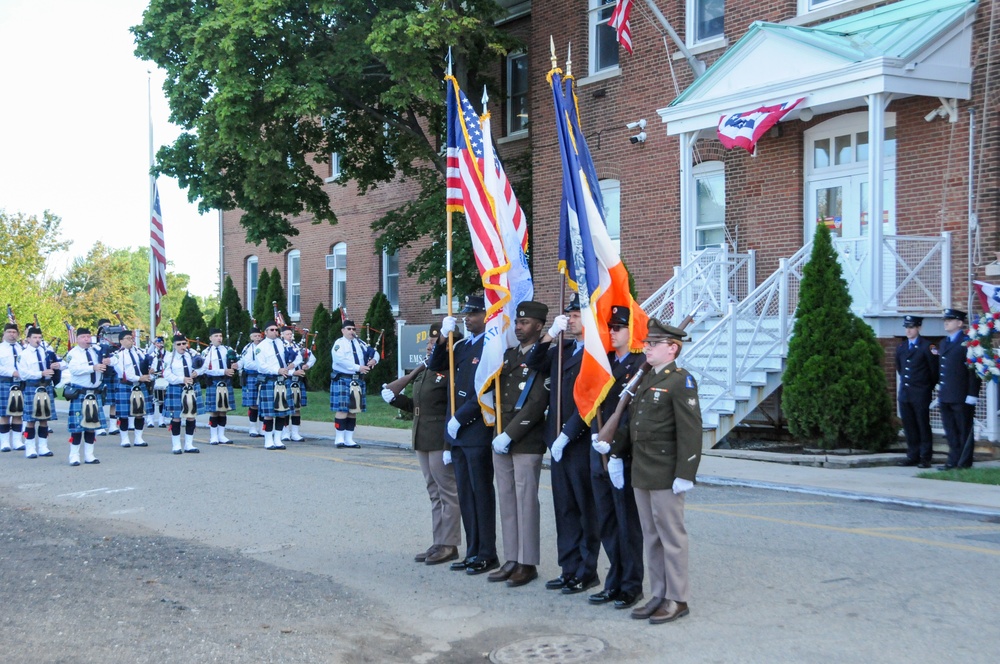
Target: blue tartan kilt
{"x":5,"y":386}
{"x":210,"y":394}
{"x":76,"y":411}
{"x":340,"y":395}
{"x":172,"y":406}
{"x":29,"y":399}
{"x":249,"y":397}
{"x":123,"y":392}
{"x":265,"y":407}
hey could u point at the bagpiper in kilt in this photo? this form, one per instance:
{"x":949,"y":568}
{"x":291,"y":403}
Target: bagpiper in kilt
{"x":156,"y":356}
{"x":251,"y":380}
{"x":218,"y":369}
{"x":180,"y":369}
{"x":132,"y":370}
{"x":352,"y":358}
{"x":38,"y":367}
{"x":10,"y":351}
{"x":86,"y":410}
{"x":271,"y":365}
{"x":302,"y":361}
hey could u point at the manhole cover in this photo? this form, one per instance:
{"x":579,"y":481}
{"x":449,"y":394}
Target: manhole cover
{"x":454,"y":612}
{"x":562,"y":649}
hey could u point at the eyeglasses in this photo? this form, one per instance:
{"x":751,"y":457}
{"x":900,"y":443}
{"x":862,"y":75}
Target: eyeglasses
{"x":271,"y":329}
{"x":650,"y":344}
{"x":617,"y":328}
{"x":349,"y":328}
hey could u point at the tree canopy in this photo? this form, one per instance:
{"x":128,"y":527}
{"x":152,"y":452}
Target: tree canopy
{"x":26,"y":243}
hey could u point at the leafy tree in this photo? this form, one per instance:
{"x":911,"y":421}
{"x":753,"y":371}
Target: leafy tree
{"x":108,"y":280}
{"x":276,"y":294}
{"x":239,"y":319}
{"x":266,"y":90}
{"x":190,"y":320}
{"x":262,"y":303}
{"x":383,"y":324}
{"x":834,"y":389}
{"x":26,"y":244}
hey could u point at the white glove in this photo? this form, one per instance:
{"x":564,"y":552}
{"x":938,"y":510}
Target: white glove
{"x":559,"y":324}
{"x":446,"y":457}
{"x":971,"y":401}
{"x":682,"y":485}
{"x":501,"y":444}
{"x":453,"y":427}
{"x":558,"y":446}
{"x":616,"y":471}
{"x":599,"y":445}
{"x":387,"y":394}
{"x":448,"y":325}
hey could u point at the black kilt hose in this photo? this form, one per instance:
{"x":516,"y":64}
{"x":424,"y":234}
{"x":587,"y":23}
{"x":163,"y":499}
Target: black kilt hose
{"x":29,"y":399}
{"x":172,"y":406}
{"x":213,"y":381}
{"x":265,"y":407}
{"x":76,"y":410}
{"x":250,"y":384}
{"x":340,"y":393}
{"x":123,"y":393}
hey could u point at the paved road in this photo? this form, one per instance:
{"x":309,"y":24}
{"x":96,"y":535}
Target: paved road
{"x":238,"y":554}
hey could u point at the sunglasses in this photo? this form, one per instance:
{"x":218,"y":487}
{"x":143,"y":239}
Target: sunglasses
{"x":271,"y":329}
{"x":349,"y":328}
{"x":617,"y":328}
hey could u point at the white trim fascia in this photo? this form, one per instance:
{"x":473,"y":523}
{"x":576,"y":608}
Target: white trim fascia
{"x":604,"y":74}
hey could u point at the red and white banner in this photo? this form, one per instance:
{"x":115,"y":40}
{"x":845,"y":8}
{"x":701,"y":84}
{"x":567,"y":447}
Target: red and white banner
{"x":745,"y":129}
{"x":989,"y":296}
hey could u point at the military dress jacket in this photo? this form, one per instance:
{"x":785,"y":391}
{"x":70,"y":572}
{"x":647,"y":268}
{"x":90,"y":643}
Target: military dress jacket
{"x":917,"y":369}
{"x":429,"y":406}
{"x":956,"y":379}
{"x":474,"y":432}
{"x":545,"y":361}
{"x":664,"y":430}
{"x":524,"y":425}
{"x":622,"y":373}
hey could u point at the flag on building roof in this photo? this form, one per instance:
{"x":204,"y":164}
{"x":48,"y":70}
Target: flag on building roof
{"x":467,"y":193}
{"x":745,"y":129}
{"x":158,"y":254}
{"x":588,"y":256}
{"x":619,"y":21}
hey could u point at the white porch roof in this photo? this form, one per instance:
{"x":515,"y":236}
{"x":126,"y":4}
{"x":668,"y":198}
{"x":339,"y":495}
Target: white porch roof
{"x":912,"y":47}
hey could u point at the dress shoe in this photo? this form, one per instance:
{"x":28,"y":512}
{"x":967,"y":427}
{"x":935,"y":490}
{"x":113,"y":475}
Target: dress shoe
{"x":644,"y":612}
{"x":923,"y":464}
{"x":605,"y":596}
{"x":627,"y":599}
{"x":480,"y":565}
{"x":559,"y":582}
{"x":522,"y":575}
{"x":462,"y":564}
{"x":575,"y":585}
{"x":946,"y":467}
{"x":443,"y":554}
{"x":140,"y":444}
{"x":908,"y":462}
{"x":422,"y":556}
{"x":254,"y":434}
{"x":503,"y":573}
{"x":668,"y":612}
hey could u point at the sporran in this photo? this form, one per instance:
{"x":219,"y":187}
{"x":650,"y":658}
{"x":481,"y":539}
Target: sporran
{"x":90,"y":412}
{"x":280,"y":396}
{"x":355,"y":397}
{"x":222,"y":397}
{"x":41,"y":407}
{"x":15,"y":402}
{"x":189,"y":403}
{"x":296,"y":391}
{"x":136,"y":402}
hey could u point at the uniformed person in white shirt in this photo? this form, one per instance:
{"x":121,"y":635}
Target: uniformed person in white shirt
{"x":132,"y":369}
{"x":10,"y":350}
{"x":248,"y":366}
{"x":352,"y":359}
{"x":304,"y":360}
{"x":38,"y":367}
{"x":86,"y":372}
{"x":156,"y":355}
{"x":219,"y":370}
{"x":271,"y":367}
{"x":180,"y":370}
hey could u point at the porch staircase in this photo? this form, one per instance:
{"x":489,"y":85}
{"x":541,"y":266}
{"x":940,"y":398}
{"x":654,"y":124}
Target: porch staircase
{"x":739,"y":344}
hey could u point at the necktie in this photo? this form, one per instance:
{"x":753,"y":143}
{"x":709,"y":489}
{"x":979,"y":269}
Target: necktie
{"x":218,"y":353}
{"x":277,"y":353}
{"x":90,"y":361}
{"x":187,"y":369}
{"x":13,"y":351}
{"x":38,"y":354}
{"x":353,"y":350}
{"x":135,"y":366}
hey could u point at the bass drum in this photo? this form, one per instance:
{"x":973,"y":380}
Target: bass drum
{"x":160,"y":389}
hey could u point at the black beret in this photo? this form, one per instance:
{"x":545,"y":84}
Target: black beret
{"x":32,"y":330}
{"x":179,"y":337}
{"x":532,"y":309}
{"x":123,"y":334}
{"x":10,"y":326}
{"x":347,"y":323}
{"x":83,"y":330}
{"x":435,"y":331}
{"x":214,"y":330}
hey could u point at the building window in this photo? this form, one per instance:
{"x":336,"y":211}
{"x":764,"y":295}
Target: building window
{"x":334,"y":172}
{"x":611,"y":192}
{"x":603,"y":40}
{"x":390,"y":279}
{"x":517,"y":93}
{"x":294,"y":281}
{"x":337,"y":262}
{"x":806,"y":6}
{"x":710,"y":204}
{"x":705,"y":20}
{"x":251,"y":293}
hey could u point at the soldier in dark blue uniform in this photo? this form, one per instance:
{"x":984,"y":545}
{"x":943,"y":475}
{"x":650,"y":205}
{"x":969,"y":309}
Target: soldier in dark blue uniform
{"x":958,"y":392}
{"x":917,"y":366}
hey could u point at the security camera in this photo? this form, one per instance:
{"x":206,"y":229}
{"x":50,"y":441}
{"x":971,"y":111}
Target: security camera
{"x":641,"y":124}
{"x":638,"y":138}
{"x":933,"y":115}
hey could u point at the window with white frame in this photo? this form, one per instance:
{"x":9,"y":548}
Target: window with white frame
{"x":806,"y":6}
{"x":611,"y":192}
{"x":603,"y":40}
{"x":339,"y":296}
{"x":390,"y":279}
{"x":517,"y":93}
{"x":705,"y":21}
{"x":252,"y":274}
{"x":710,"y":204}
{"x":294,"y":284}
{"x":334,"y":172}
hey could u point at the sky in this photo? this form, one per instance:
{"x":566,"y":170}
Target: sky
{"x":74,"y":134}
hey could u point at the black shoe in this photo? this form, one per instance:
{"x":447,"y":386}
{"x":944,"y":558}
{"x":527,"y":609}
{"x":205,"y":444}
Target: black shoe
{"x":192,"y":450}
{"x":924,"y":464}
{"x":559,"y":582}
{"x":575,"y":585}
{"x":142,"y":444}
{"x":460,"y":565}
{"x":946,"y":467}
{"x":605,"y":596}
{"x":255,"y":435}
{"x":481,"y":565}
{"x":279,"y":446}
{"x":908,"y":462}
{"x":92,"y":463}
{"x":627,"y":599}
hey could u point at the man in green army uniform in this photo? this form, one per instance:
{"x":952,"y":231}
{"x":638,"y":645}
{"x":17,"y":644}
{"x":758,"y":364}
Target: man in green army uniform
{"x":429,"y":406}
{"x":518,"y":450}
{"x":664,"y":439}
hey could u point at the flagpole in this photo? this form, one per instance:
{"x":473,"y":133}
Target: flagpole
{"x":451,"y":334}
{"x":562,"y":296}
{"x":152,"y":190}
{"x":496,"y":378}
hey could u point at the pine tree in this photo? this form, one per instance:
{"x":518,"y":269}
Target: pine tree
{"x":834,"y":392}
{"x":261,"y":305}
{"x":276,"y":294}
{"x":239,"y":319}
{"x":379,"y":317}
{"x":318,"y":377}
{"x":190,"y":321}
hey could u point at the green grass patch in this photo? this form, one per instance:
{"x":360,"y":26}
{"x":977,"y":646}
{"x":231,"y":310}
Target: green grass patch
{"x":973,"y":475}
{"x":378,"y":413}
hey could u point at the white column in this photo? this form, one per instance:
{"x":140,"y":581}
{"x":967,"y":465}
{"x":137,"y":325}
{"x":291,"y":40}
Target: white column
{"x":687,"y":140}
{"x":876,"y":167}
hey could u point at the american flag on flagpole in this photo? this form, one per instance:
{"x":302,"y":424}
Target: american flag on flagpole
{"x":158,"y":264}
{"x":619,"y":21}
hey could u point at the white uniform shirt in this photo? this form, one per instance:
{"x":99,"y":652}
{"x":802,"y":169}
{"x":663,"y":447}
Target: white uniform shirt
{"x":123,"y":361}
{"x":9,"y":353}
{"x":215,"y":360}
{"x":270,"y":356}
{"x":247,"y":360}
{"x":173,"y":366}
{"x":27,"y":364}
{"x":81,"y":371}
{"x":344,"y":351}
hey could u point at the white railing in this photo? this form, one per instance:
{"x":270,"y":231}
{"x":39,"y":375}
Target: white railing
{"x":711,"y":281}
{"x":753,"y":335}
